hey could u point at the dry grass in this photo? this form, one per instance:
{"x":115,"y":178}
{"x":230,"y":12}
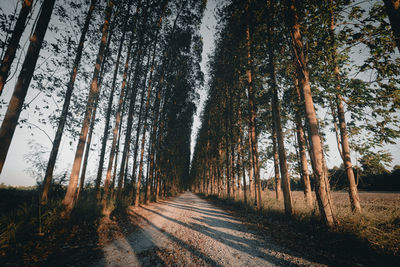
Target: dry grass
{"x":378,"y":225}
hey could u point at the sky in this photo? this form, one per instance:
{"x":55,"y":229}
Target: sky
{"x":21,"y":151}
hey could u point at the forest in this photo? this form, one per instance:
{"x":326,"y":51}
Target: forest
{"x":107,"y":92}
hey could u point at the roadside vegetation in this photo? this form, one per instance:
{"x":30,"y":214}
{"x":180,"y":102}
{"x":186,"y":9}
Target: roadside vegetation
{"x":371,"y":238}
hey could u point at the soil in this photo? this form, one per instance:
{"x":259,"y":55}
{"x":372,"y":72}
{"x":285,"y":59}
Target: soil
{"x":190,"y":231}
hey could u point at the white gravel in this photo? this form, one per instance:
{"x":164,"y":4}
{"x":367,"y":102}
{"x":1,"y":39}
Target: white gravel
{"x":189,"y":231}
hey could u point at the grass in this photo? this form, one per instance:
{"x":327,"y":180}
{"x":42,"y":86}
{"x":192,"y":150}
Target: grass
{"x":31,"y":233}
{"x":371,"y":238}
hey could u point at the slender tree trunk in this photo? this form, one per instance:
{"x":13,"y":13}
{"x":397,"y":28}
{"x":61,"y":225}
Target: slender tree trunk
{"x":302,"y":149}
{"x":11,"y":116}
{"x":116,"y":148}
{"x":278,"y":185}
{"x":287,"y":195}
{"x":149,"y":89}
{"x":240,"y":151}
{"x":251,"y":180}
{"x":252,"y":120}
{"x":94,"y":91}
{"x":93,"y":118}
{"x":353,"y":192}
{"x":132,"y":101}
{"x":118,"y":116}
{"x":12,"y":47}
{"x":323,"y":191}
{"x":109,"y":107}
{"x":393,"y":11}
{"x":136,"y":184}
{"x":63,"y":117}
{"x":87,"y":150}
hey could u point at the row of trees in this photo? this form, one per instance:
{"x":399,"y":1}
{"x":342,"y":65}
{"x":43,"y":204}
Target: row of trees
{"x":147,"y":56}
{"x":297,"y":66}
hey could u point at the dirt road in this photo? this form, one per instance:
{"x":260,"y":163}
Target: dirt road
{"x":189,"y":231}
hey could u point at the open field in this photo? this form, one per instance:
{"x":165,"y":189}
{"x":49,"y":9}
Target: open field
{"x":376,"y":231}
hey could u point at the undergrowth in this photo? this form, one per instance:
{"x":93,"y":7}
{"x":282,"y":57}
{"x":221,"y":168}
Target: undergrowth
{"x":31,"y":232}
{"x":371,"y":238}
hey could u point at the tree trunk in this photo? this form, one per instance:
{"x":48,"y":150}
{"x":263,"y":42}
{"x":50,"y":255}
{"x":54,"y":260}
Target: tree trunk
{"x":87,"y":150}
{"x":278,"y":186}
{"x":393,"y":11}
{"x":93,"y":118}
{"x":63,"y":117}
{"x":303,"y":157}
{"x":353,"y":192}
{"x":252,"y":120}
{"x":240,"y":151}
{"x":287,"y":194}
{"x":94,"y":91}
{"x":12,"y":47}
{"x":118,"y":116}
{"x":323,"y":191}
{"x":109,"y":107}
{"x":131,"y":110}
{"x":11,"y":116}
{"x":116,"y":148}
{"x":138,"y":127}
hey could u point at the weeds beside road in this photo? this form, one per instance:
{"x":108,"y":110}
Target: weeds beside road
{"x":371,"y":238}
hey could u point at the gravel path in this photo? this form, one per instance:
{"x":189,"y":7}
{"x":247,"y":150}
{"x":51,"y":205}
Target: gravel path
{"x":189,"y":231}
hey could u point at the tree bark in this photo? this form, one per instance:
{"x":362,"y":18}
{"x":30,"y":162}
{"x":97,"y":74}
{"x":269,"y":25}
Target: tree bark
{"x":302,"y":146}
{"x":63,"y":117}
{"x":323,"y":192}
{"x":94,"y":91}
{"x":109,"y":107}
{"x":353,"y":192}
{"x":240,"y":151}
{"x":287,"y":194}
{"x":13,"y":44}
{"x":278,"y":185}
{"x":118,"y":116}
{"x":11,"y":116}
{"x":252,"y":120}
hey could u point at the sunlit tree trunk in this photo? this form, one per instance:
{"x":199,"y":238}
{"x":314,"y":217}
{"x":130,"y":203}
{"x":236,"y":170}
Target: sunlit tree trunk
{"x":353,"y":192}
{"x":323,"y":192}
{"x":252,"y":120}
{"x":278,"y":186}
{"x":302,"y":148}
{"x":11,"y":116}
{"x":67,"y":99}
{"x":146,"y":112}
{"x":94,"y":91}
{"x":13,"y":43}
{"x":133,"y":93}
{"x":136,"y":184}
{"x":276,"y":114}
{"x":109,"y":108}
{"x":240,"y":151}
{"x":118,"y":116}
{"x":87,"y":150}
{"x":93,"y":118}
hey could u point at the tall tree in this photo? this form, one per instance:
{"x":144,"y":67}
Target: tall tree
{"x":353,"y":192}
{"x":323,"y":189}
{"x":12,"y":47}
{"x":63,"y":117}
{"x":69,"y":198}
{"x":22,"y":85}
